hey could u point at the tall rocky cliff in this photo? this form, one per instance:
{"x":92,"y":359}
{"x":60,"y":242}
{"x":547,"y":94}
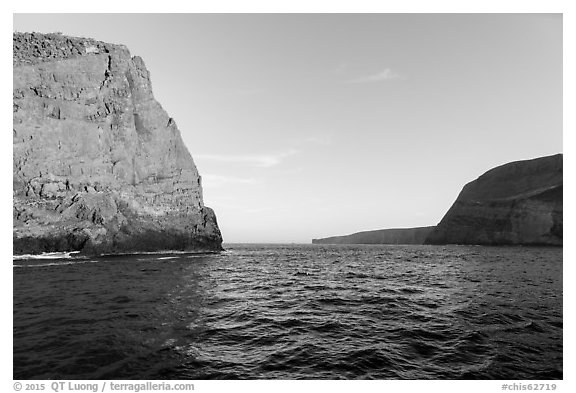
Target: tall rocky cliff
{"x":99,"y":166}
{"x":382,"y":236}
{"x":516,"y":203}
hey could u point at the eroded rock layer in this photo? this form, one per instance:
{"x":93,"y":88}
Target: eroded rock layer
{"x":517,"y":203}
{"x":99,"y":166}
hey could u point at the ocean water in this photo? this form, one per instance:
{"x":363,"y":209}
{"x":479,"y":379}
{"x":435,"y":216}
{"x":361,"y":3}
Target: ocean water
{"x":293,"y":312}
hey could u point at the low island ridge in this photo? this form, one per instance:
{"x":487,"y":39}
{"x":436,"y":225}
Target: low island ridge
{"x":381,"y":236}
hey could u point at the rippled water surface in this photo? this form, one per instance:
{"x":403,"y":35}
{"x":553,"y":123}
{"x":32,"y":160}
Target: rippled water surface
{"x":298,"y":311}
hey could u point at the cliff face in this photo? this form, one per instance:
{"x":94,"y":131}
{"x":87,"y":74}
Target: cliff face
{"x":99,"y":166}
{"x":516,"y":203}
{"x":383,"y":236}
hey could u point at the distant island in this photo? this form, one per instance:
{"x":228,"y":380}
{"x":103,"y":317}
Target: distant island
{"x":99,"y":166}
{"x":381,"y":236}
{"x":519,"y":203}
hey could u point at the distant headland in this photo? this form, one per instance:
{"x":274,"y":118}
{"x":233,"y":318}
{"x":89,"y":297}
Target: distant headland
{"x":519,"y":203}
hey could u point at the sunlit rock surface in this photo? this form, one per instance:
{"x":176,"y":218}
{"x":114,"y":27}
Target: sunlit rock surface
{"x":99,"y":166}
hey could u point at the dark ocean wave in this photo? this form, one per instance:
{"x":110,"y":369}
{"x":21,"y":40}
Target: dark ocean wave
{"x":293,"y":312}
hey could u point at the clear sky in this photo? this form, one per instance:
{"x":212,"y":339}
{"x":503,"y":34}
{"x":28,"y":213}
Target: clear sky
{"x":314,"y":125}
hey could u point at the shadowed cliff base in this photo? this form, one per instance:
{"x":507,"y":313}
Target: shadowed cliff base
{"x":98,"y":165}
{"x":134,"y":243}
{"x":519,"y":203}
